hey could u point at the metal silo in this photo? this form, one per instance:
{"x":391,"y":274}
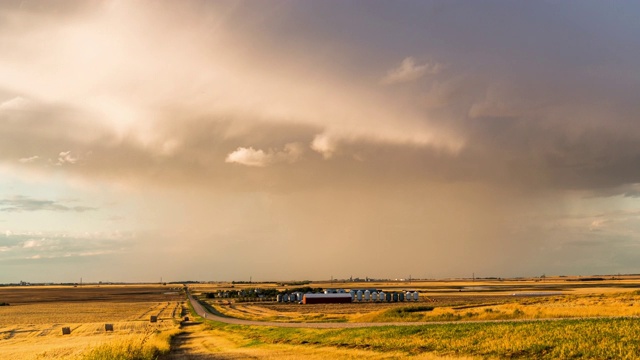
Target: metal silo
{"x":279,"y":298}
{"x":367,"y":295}
{"x":409,"y":296}
{"x":388,"y":297}
{"x":285,"y":297}
{"x":381,"y":295}
{"x":415,"y":296}
{"x":395,"y":297}
{"x":374,"y":296}
{"x":401,"y":296}
{"x":353,"y":294}
{"x":359,"y":295}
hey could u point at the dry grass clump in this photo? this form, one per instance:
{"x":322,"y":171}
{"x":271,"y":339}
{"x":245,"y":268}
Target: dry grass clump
{"x":146,"y":346}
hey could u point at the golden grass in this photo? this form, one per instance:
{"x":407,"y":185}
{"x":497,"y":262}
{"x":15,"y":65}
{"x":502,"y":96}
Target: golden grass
{"x":220,"y":344}
{"x":146,"y":346}
{"x":573,"y":306}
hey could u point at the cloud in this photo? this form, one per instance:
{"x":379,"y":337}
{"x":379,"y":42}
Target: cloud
{"x":325,"y":145}
{"x":248,"y":156}
{"x":29,"y":159}
{"x":65,"y":157}
{"x":48,"y":245}
{"x":16,"y":103}
{"x":251,"y":157}
{"x":23,"y":203}
{"x":408,"y":71}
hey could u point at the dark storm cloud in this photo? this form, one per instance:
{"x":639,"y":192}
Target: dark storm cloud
{"x":486,"y":135}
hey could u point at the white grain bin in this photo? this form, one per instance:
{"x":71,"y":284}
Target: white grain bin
{"x":359,"y":295}
{"x":374,"y":296}
{"x":415,"y":296}
{"x":279,"y":298}
{"x":299,"y":296}
{"x":409,"y":295}
{"x":353,"y":295}
{"x":367,"y":295}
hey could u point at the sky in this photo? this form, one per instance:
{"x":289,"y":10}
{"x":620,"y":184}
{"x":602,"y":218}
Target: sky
{"x":291,"y":140}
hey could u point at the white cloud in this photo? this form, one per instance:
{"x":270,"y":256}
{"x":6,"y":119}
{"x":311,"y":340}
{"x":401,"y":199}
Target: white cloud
{"x":29,"y":159}
{"x":33,"y":243}
{"x":251,"y":157}
{"x":325,"y":145}
{"x":8,"y":233}
{"x":65,"y":157}
{"x":408,"y":71}
{"x":248,"y":156}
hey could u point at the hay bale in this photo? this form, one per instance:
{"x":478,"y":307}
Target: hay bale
{"x":66,"y":331}
{"x":108,"y":327}
{"x":153,"y":319}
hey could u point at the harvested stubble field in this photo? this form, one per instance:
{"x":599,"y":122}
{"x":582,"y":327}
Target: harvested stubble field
{"x":31,"y":326}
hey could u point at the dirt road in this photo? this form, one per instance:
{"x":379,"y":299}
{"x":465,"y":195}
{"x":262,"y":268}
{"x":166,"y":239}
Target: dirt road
{"x":195,"y":343}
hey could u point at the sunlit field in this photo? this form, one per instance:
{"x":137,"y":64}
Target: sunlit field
{"x":564,"y":339}
{"x":556,"y":318}
{"x":31,"y":326}
{"x":450,"y":301}
{"x":560,"y":318}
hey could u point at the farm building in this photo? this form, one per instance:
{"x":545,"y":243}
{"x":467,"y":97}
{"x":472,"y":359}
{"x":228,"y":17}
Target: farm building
{"x":326,"y":298}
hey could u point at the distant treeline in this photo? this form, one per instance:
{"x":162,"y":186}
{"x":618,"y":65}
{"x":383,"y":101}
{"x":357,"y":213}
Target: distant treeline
{"x":258,"y":292}
{"x":587,"y":279}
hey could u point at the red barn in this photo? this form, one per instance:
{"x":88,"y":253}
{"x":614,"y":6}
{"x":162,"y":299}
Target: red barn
{"x":326,"y":298}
